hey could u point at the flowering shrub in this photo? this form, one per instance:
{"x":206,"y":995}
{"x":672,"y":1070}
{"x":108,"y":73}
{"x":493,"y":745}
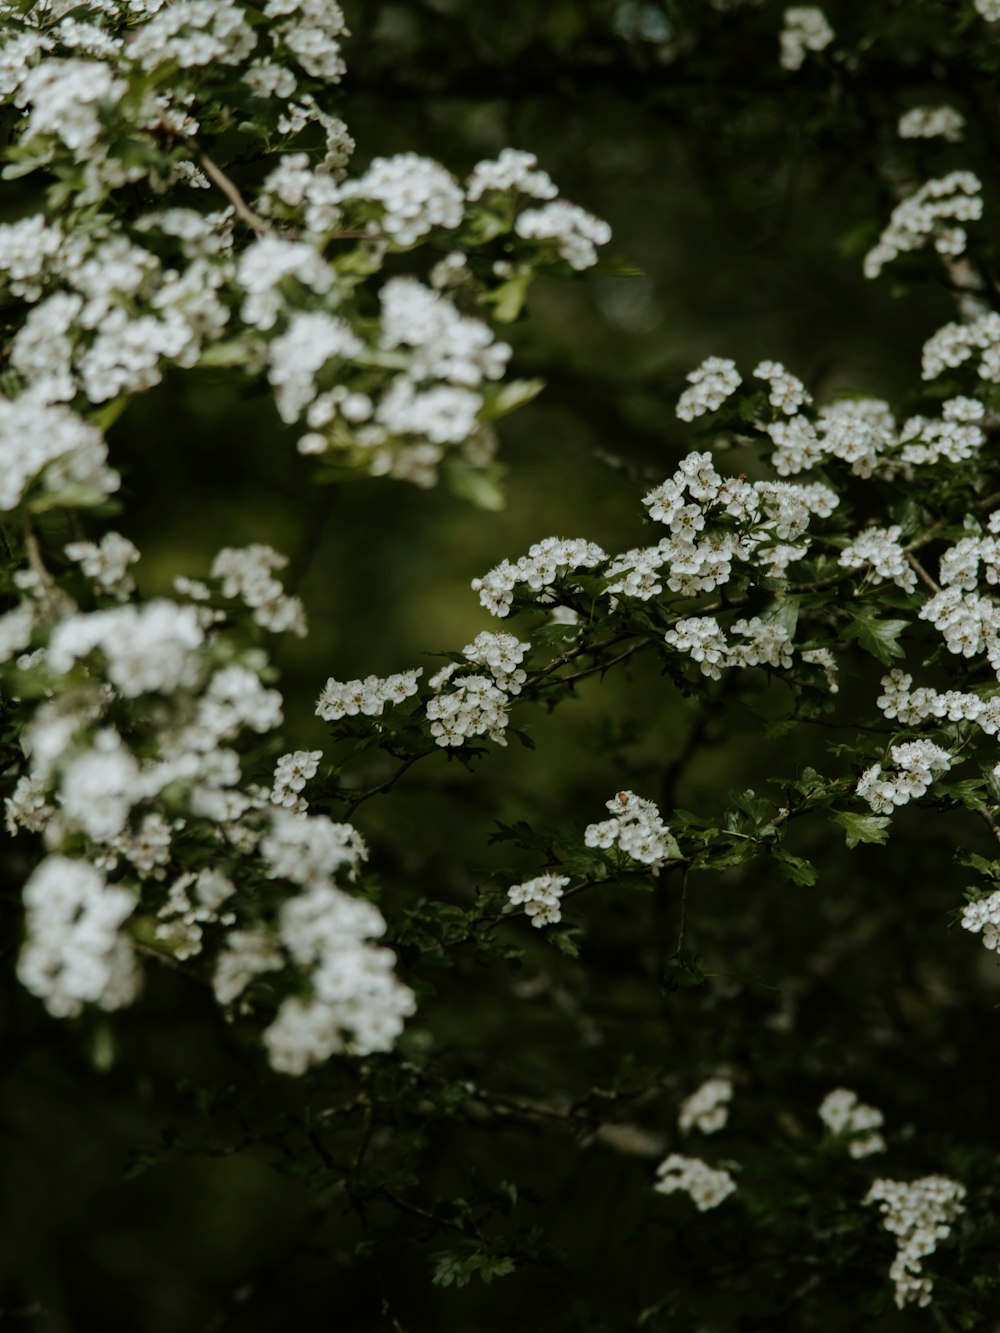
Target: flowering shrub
{"x":824,"y":563}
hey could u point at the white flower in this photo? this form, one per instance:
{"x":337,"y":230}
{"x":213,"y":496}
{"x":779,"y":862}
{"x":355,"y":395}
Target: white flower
{"x":539,"y":570}
{"x":635,"y":828}
{"x":310,"y":848}
{"x":474,"y":706}
{"x":806,"y":29}
{"x":512,"y":170}
{"x":707,"y":1109}
{"x":927,"y":213}
{"x":918,"y":1213}
{"x":932,"y":122}
{"x":916,"y":763}
{"x":707,"y":1187}
{"x":415,"y":193}
{"x":445,"y":345}
{"x":843,"y":1114}
{"x":575,"y":232}
{"x":75,"y":952}
{"x":53,"y":448}
{"x":711,"y":384}
{"x":148,"y":648}
{"x":879,"y":549}
{"x":107,"y":563}
{"x":247,"y":574}
{"x":369,"y":696}
{"x":540,"y":898}
{"x":291,"y":773}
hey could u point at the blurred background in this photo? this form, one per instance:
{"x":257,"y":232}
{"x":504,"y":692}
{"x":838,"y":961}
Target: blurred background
{"x":139,"y":1189}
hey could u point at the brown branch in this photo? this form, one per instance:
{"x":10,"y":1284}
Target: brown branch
{"x":240,"y":206}
{"x":988,"y":819}
{"x":914,"y":563}
{"x":46,"y":584}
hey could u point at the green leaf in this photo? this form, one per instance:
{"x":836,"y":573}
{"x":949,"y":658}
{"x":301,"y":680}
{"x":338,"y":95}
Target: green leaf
{"x":565,"y":942}
{"x":482,"y":486}
{"x":796,"y":868}
{"x":683,"y":973}
{"x":880,"y":638}
{"x":862,"y":828}
{"x":508,"y":299}
{"x":507,"y":397}
{"x":451,"y":1267}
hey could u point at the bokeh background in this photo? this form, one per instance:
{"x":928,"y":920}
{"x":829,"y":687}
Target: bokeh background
{"x":139,"y":1191}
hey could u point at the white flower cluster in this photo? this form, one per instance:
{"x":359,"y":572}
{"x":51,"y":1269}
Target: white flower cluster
{"x":247,"y":575}
{"x":503,"y":654}
{"x":193,"y":902}
{"x":765,"y":643}
{"x":988,"y":9}
{"x":707,"y":1186}
{"x":436,"y":399}
{"x":919,"y":1213}
{"x":369,"y":696}
{"x":707,"y":1109}
{"x":354,"y":1002}
{"x":478,"y":705}
{"x":116,"y":805}
{"x":858,"y":431}
{"x":635,"y":828}
{"x":194,"y":33}
{"x":51,"y":449}
{"x":107,"y":563}
{"x":899,"y":701}
{"x":445,"y":344}
{"x":824,"y":658}
{"x":954,"y":344}
{"x":512,"y":170}
{"x":984,"y":915}
{"x":416,"y":195}
{"x":879,"y":550}
{"x":121,"y":298}
{"x":951,"y":199}
{"x":932,"y":122}
{"x":698,"y":506}
{"x":969,"y":623}
{"x":845,"y":1116}
{"x":915,"y":765}
{"x":295,"y":188}
{"x":785,"y":392}
{"x":540,"y":898}
{"x":715,"y":380}
{"x":75,"y":953}
{"x":474,"y":706}
{"x":247,"y":954}
{"x":310,"y":342}
{"x":805,"y":29}
{"x":955,"y":437}
{"x":140,"y":713}
{"x":575,"y":232}
{"x":150,"y":648}
{"x":309,"y":30}
{"x":291,"y":773}
{"x":539,"y":570}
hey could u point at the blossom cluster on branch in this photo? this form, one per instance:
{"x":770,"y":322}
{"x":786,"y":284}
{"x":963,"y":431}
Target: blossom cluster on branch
{"x":195,"y":207}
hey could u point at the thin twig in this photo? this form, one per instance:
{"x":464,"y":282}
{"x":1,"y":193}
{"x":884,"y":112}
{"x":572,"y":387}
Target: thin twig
{"x":914,"y":563}
{"x":240,"y":206}
{"x":980,"y":507}
{"x":684,"y":906}
{"x":36,"y":563}
{"x":381,"y":787}
{"x":987,"y":818}
{"x":598,"y":666}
